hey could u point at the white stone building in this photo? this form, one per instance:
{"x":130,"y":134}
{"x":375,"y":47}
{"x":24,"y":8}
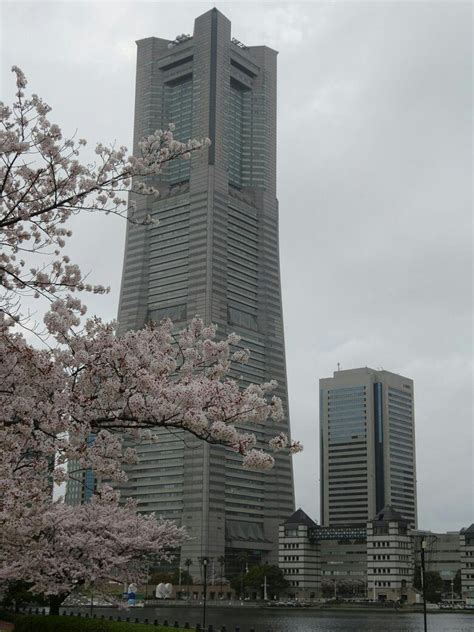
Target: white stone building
{"x":389,"y":557}
{"x":298,"y":557}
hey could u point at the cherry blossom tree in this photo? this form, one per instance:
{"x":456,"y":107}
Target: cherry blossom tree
{"x":87,"y":380}
{"x":86,"y":545}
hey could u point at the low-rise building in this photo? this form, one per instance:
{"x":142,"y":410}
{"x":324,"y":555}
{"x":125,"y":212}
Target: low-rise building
{"x":376,"y":560}
{"x":344,"y":567}
{"x":390,"y":557}
{"x":442,"y":555}
{"x":298,"y":557}
{"x":466,"y":545}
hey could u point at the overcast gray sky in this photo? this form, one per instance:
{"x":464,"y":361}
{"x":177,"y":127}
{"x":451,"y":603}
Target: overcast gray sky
{"x":374,"y":168}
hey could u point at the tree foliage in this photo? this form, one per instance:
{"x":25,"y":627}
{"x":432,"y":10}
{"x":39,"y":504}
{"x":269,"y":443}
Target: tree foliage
{"x":18,"y":593}
{"x":433,"y":584}
{"x":457,"y":584}
{"x":254,"y":579}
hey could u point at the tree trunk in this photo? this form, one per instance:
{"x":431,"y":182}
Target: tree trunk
{"x":54,"y":602}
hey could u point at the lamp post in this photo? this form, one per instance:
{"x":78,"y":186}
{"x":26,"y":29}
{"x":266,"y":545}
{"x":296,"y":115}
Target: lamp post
{"x":423,"y":581}
{"x":205,"y":561}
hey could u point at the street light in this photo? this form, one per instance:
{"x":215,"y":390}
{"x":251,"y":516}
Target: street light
{"x":205,"y":561}
{"x":423,"y":581}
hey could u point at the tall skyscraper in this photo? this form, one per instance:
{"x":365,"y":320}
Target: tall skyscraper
{"x":215,"y":253}
{"x":367,"y":446}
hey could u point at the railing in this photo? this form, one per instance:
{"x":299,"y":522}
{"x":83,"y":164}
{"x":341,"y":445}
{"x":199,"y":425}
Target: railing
{"x":154,"y":623}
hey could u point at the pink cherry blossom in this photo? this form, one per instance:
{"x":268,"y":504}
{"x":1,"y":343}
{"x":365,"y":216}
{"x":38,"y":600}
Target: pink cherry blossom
{"x":58,"y":547}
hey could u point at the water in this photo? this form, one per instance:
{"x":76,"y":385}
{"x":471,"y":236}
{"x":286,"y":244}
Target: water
{"x":266,"y":620}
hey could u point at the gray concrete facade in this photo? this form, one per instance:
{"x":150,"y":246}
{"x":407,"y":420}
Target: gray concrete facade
{"x":215,"y":253}
{"x":442,"y":553}
{"x":367,"y":446}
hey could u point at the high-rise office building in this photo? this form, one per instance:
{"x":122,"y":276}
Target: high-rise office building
{"x":367,"y":446}
{"x":215,"y":253}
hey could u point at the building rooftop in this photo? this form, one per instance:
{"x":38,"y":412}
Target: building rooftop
{"x":388,"y":514}
{"x":300,"y":517}
{"x":364,"y":370}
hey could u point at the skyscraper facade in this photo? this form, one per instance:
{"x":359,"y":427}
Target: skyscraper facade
{"x":367,"y":446}
{"x":215,"y":253}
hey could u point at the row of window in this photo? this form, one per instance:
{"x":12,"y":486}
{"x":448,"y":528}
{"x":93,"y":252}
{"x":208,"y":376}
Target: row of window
{"x":338,"y":422}
{"x":242,"y":319}
{"x":399,"y":404}
{"x":397,"y":418}
{"x":359,"y":494}
{"x":395,"y":545}
{"x":342,"y":392}
{"x":346,"y":436}
{"x":400,"y":423}
{"x":403,"y":489}
{"x":396,"y":393}
{"x":401,"y":445}
{"x":337,"y":462}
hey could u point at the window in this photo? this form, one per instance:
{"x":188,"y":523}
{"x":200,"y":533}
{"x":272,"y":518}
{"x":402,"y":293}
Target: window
{"x":242,"y":319}
{"x":175,"y":312}
{"x":178,"y":99}
{"x":380,"y":530}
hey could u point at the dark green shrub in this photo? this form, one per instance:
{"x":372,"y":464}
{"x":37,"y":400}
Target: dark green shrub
{"x":76,"y":624}
{"x":7,"y":615}
{"x":17,"y":595}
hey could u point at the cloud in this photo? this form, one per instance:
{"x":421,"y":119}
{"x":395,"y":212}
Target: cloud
{"x":374,"y":184}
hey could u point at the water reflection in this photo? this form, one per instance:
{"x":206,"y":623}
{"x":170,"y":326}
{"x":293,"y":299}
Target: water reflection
{"x":301,"y":621}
